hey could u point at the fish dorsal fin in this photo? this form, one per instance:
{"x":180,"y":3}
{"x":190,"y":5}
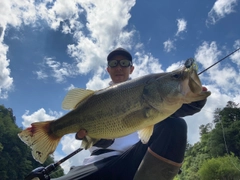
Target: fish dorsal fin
{"x":145,"y":134}
{"x":74,"y":97}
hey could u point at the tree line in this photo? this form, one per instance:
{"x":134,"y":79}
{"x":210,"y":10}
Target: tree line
{"x":217,"y":155}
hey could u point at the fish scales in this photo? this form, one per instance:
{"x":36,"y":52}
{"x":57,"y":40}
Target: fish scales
{"x":108,"y":112}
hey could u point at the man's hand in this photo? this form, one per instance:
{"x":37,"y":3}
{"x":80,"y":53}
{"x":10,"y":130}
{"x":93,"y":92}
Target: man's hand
{"x":192,"y":108}
{"x":81,"y":134}
{"x":204,"y":88}
{"x":103,"y":143}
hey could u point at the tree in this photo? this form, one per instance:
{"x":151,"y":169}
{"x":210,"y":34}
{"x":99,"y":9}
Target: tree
{"x":225,"y":137}
{"x":16,"y":160}
{"x":218,"y":138}
{"x":221,"y":168}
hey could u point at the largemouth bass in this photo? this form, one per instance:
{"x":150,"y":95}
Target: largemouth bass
{"x":116,"y":111}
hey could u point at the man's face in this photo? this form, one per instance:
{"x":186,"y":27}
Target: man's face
{"x":119,"y":74}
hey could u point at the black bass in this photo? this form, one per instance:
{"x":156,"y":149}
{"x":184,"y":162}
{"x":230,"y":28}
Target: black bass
{"x":116,"y":111}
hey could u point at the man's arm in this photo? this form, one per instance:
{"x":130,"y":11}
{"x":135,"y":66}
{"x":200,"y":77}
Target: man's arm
{"x":190,"y":109}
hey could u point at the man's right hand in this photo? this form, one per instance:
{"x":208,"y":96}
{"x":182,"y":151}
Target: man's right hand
{"x":81,"y":134}
{"x":103,"y":143}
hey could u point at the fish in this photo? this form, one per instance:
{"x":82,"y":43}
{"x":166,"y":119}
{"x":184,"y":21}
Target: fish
{"x":116,"y":111}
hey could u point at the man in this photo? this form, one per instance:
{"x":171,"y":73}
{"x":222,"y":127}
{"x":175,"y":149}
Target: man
{"x":127,"y":158}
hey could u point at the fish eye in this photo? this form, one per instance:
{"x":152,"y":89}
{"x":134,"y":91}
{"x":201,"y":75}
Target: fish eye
{"x":176,"y":76}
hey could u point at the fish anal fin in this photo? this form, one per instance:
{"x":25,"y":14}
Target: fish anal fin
{"x":145,"y":134}
{"x":74,"y":97}
{"x":42,"y":143}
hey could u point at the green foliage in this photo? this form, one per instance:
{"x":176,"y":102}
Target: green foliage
{"x":208,"y":157}
{"x":221,"y":168}
{"x":16,"y":160}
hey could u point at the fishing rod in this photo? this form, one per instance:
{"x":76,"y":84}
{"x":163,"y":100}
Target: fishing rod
{"x":43,"y":172}
{"x":218,"y":61}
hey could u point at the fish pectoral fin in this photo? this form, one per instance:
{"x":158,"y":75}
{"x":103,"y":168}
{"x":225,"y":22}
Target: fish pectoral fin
{"x":145,"y":134}
{"x":74,"y":97}
{"x":42,"y":143}
{"x":88,"y":142}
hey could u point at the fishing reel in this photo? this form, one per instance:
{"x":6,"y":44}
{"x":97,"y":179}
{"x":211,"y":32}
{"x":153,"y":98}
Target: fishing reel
{"x":40,"y":173}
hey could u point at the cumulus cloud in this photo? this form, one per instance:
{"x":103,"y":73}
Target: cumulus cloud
{"x":103,"y":34}
{"x":6,"y":81}
{"x":221,"y":9}
{"x":38,"y":116}
{"x":174,"y":66}
{"x":207,"y":54}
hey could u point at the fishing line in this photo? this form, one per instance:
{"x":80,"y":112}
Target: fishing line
{"x":223,"y":134}
{"x":219,"y":61}
{"x":226,"y":147}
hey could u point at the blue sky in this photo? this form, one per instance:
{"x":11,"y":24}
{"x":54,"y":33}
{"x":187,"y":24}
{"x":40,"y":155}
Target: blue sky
{"x":49,"y":47}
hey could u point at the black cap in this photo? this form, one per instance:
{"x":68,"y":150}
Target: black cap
{"x":119,"y":51}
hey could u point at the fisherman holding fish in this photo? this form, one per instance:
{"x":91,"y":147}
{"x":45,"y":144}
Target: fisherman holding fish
{"x":111,"y":121}
{"x":128,"y":158}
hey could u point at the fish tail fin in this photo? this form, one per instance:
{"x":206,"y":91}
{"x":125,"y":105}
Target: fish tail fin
{"x":40,"y":139}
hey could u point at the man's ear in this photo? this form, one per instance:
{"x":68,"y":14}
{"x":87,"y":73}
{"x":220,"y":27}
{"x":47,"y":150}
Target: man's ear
{"x":131,"y":69}
{"x":107,"y":69}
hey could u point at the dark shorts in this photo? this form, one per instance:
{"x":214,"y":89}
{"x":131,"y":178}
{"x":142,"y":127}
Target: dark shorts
{"x":168,"y":140}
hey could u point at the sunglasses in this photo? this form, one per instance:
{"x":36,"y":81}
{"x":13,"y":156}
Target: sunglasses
{"x":123,"y":63}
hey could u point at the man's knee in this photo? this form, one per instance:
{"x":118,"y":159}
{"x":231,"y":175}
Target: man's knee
{"x":172,"y":125}
{"x":169,"y":139}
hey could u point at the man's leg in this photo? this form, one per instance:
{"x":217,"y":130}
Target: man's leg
{"x":166,"y":151}
{"x":118,"y":167}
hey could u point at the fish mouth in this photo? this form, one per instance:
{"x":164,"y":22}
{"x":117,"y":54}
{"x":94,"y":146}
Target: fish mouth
{"x":191,"y":84}
{"x":194,"y":82}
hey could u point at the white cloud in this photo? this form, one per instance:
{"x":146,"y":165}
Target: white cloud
{"x":169,"y":45}
{"x":38,"y":116}
{"x":103,"y":34}
{"x":70,"y":144}
{"x":145,"y":63}
{"x":220,"y":9}
{"x":175,"y":66}
{"x":41,"y":74}
{"x":70,"y":87}
{"x":182,"y":25}
{"x":208,"y":54}
{"x":236,"y":56}
{"x":6,"y":81}
{"x":60,"y":70}
{"x":15,"y":13}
